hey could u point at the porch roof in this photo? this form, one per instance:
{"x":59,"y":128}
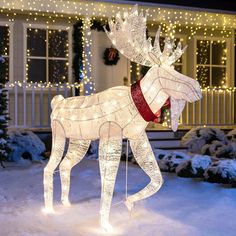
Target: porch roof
{"x":157,"y":13}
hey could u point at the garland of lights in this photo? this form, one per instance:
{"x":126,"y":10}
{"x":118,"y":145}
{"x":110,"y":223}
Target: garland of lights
{"x":88,"y":83}
{"x":97,"y":25}
{"x":77,"y":50}
{"x":173,"y":21}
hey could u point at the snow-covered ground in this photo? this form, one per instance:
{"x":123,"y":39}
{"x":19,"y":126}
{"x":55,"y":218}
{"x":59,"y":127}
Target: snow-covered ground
{"x":182,"y":206}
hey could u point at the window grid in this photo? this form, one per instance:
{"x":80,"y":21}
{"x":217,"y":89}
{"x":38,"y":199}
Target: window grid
{"x":7,"y":50}
{"x":47,"y":58}
{"x":210,"y":65}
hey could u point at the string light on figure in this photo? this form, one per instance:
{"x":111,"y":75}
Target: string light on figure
{"x":120,"y":112}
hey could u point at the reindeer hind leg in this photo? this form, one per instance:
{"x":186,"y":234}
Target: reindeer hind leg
{"x":76,"y":151}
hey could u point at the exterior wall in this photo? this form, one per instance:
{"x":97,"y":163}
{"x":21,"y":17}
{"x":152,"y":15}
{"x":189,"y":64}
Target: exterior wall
{"x":18,"y":51}
{"x":106,"y":76}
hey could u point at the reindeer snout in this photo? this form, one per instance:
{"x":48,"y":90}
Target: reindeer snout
{"x":197,"y":95}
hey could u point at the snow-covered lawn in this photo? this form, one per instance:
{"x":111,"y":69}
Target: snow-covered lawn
{"x":182,"y":206}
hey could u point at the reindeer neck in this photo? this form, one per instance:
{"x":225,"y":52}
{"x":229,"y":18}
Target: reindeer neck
{"x":152,"y":91}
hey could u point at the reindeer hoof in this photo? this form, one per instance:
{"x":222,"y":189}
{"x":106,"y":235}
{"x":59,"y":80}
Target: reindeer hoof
{"x":66,"y":203}
{"x":106,"y":226}
{"x":48,"y":211}
{"x":129,"y":204}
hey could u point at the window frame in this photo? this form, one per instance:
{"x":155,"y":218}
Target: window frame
{"x":68,"y":28}
{"x":10,"y":56}
{"x":228,"y":56}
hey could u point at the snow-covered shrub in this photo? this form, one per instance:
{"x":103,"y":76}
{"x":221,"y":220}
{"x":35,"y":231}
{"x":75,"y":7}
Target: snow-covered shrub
{"x":231,"y":136}
{"x":234,"y":183}
{"x":160,"y":153}
{"x":27,"y":145}
{"x":203,"y":140}
{"x":170,"y":161}
{"x":227,"y":151}
{"x":194,"y":167}
{"x":211,"y":149}
{"x":4,"y":116}
{"x":223,"y":171}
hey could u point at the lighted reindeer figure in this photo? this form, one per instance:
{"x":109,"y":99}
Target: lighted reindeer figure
{"x":119,"y":112}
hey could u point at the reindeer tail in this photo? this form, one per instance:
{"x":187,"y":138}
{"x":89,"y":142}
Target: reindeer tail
{"x":56,"y":99}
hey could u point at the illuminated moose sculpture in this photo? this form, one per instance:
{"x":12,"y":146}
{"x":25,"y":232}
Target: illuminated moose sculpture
{"x":119,"y":112}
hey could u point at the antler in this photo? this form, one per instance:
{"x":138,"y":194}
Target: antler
{"x":129,"y":36}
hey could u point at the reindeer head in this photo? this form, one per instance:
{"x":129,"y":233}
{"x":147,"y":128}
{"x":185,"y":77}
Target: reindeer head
{"x":128,"y":34}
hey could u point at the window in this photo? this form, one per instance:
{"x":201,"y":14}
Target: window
{"x":47,"y":55}
{"x":5,"y":47}
{"x":211,"y":66}
{"x":140,"y":71}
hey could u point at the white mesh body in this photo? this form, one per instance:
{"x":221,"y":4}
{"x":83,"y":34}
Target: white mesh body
{"x":111,"y":115}
{"x":83,"y":116}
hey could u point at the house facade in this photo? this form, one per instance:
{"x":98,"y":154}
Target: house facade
{"x":39,"y":42}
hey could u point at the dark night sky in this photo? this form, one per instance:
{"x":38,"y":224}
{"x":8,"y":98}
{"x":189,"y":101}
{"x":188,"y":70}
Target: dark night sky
{"x":227,"y":5}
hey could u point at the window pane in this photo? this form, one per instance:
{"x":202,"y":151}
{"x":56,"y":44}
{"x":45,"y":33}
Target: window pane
{"x":4,"y":40}
{"x":133,"y":72}
{"x":58,"y":71}
{"x":178,"y":68}
{"x":6,"y":67}
{"x":219,"y":53}
{"x":36,"y":70}
{"x":36,"y":42}
{"x":203,"y":52}
{"x":218,"y":76}
{"x":162,"y":43}
{"x":203,"y":75}
{"x":58,"y":43}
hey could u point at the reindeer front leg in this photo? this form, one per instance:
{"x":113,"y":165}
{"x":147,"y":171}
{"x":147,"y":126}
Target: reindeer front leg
{"x":144,"y":156}
{"x":58,"y":144}
{"x":109,"y":157}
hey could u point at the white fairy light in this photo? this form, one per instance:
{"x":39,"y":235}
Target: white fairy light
{"x":113,"y":114}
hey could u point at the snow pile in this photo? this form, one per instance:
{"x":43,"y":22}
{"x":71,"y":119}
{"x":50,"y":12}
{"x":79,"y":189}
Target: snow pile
{"x":194,"y":167}
{"x":169,"y":161}
{"x":163,"y":214}
{"x":25,"y":145}
{"x":223,"y":171}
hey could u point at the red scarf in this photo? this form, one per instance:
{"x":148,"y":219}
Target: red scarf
{"x":142,"y":105}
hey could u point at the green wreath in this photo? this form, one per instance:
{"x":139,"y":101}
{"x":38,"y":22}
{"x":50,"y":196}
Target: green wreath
{"x":111,"y":56}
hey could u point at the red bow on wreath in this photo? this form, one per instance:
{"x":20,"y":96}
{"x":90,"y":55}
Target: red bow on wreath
{"x":111,"y":56}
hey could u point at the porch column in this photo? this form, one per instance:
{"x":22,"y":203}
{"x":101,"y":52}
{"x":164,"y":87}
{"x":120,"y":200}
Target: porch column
{"x":88,"y":84}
